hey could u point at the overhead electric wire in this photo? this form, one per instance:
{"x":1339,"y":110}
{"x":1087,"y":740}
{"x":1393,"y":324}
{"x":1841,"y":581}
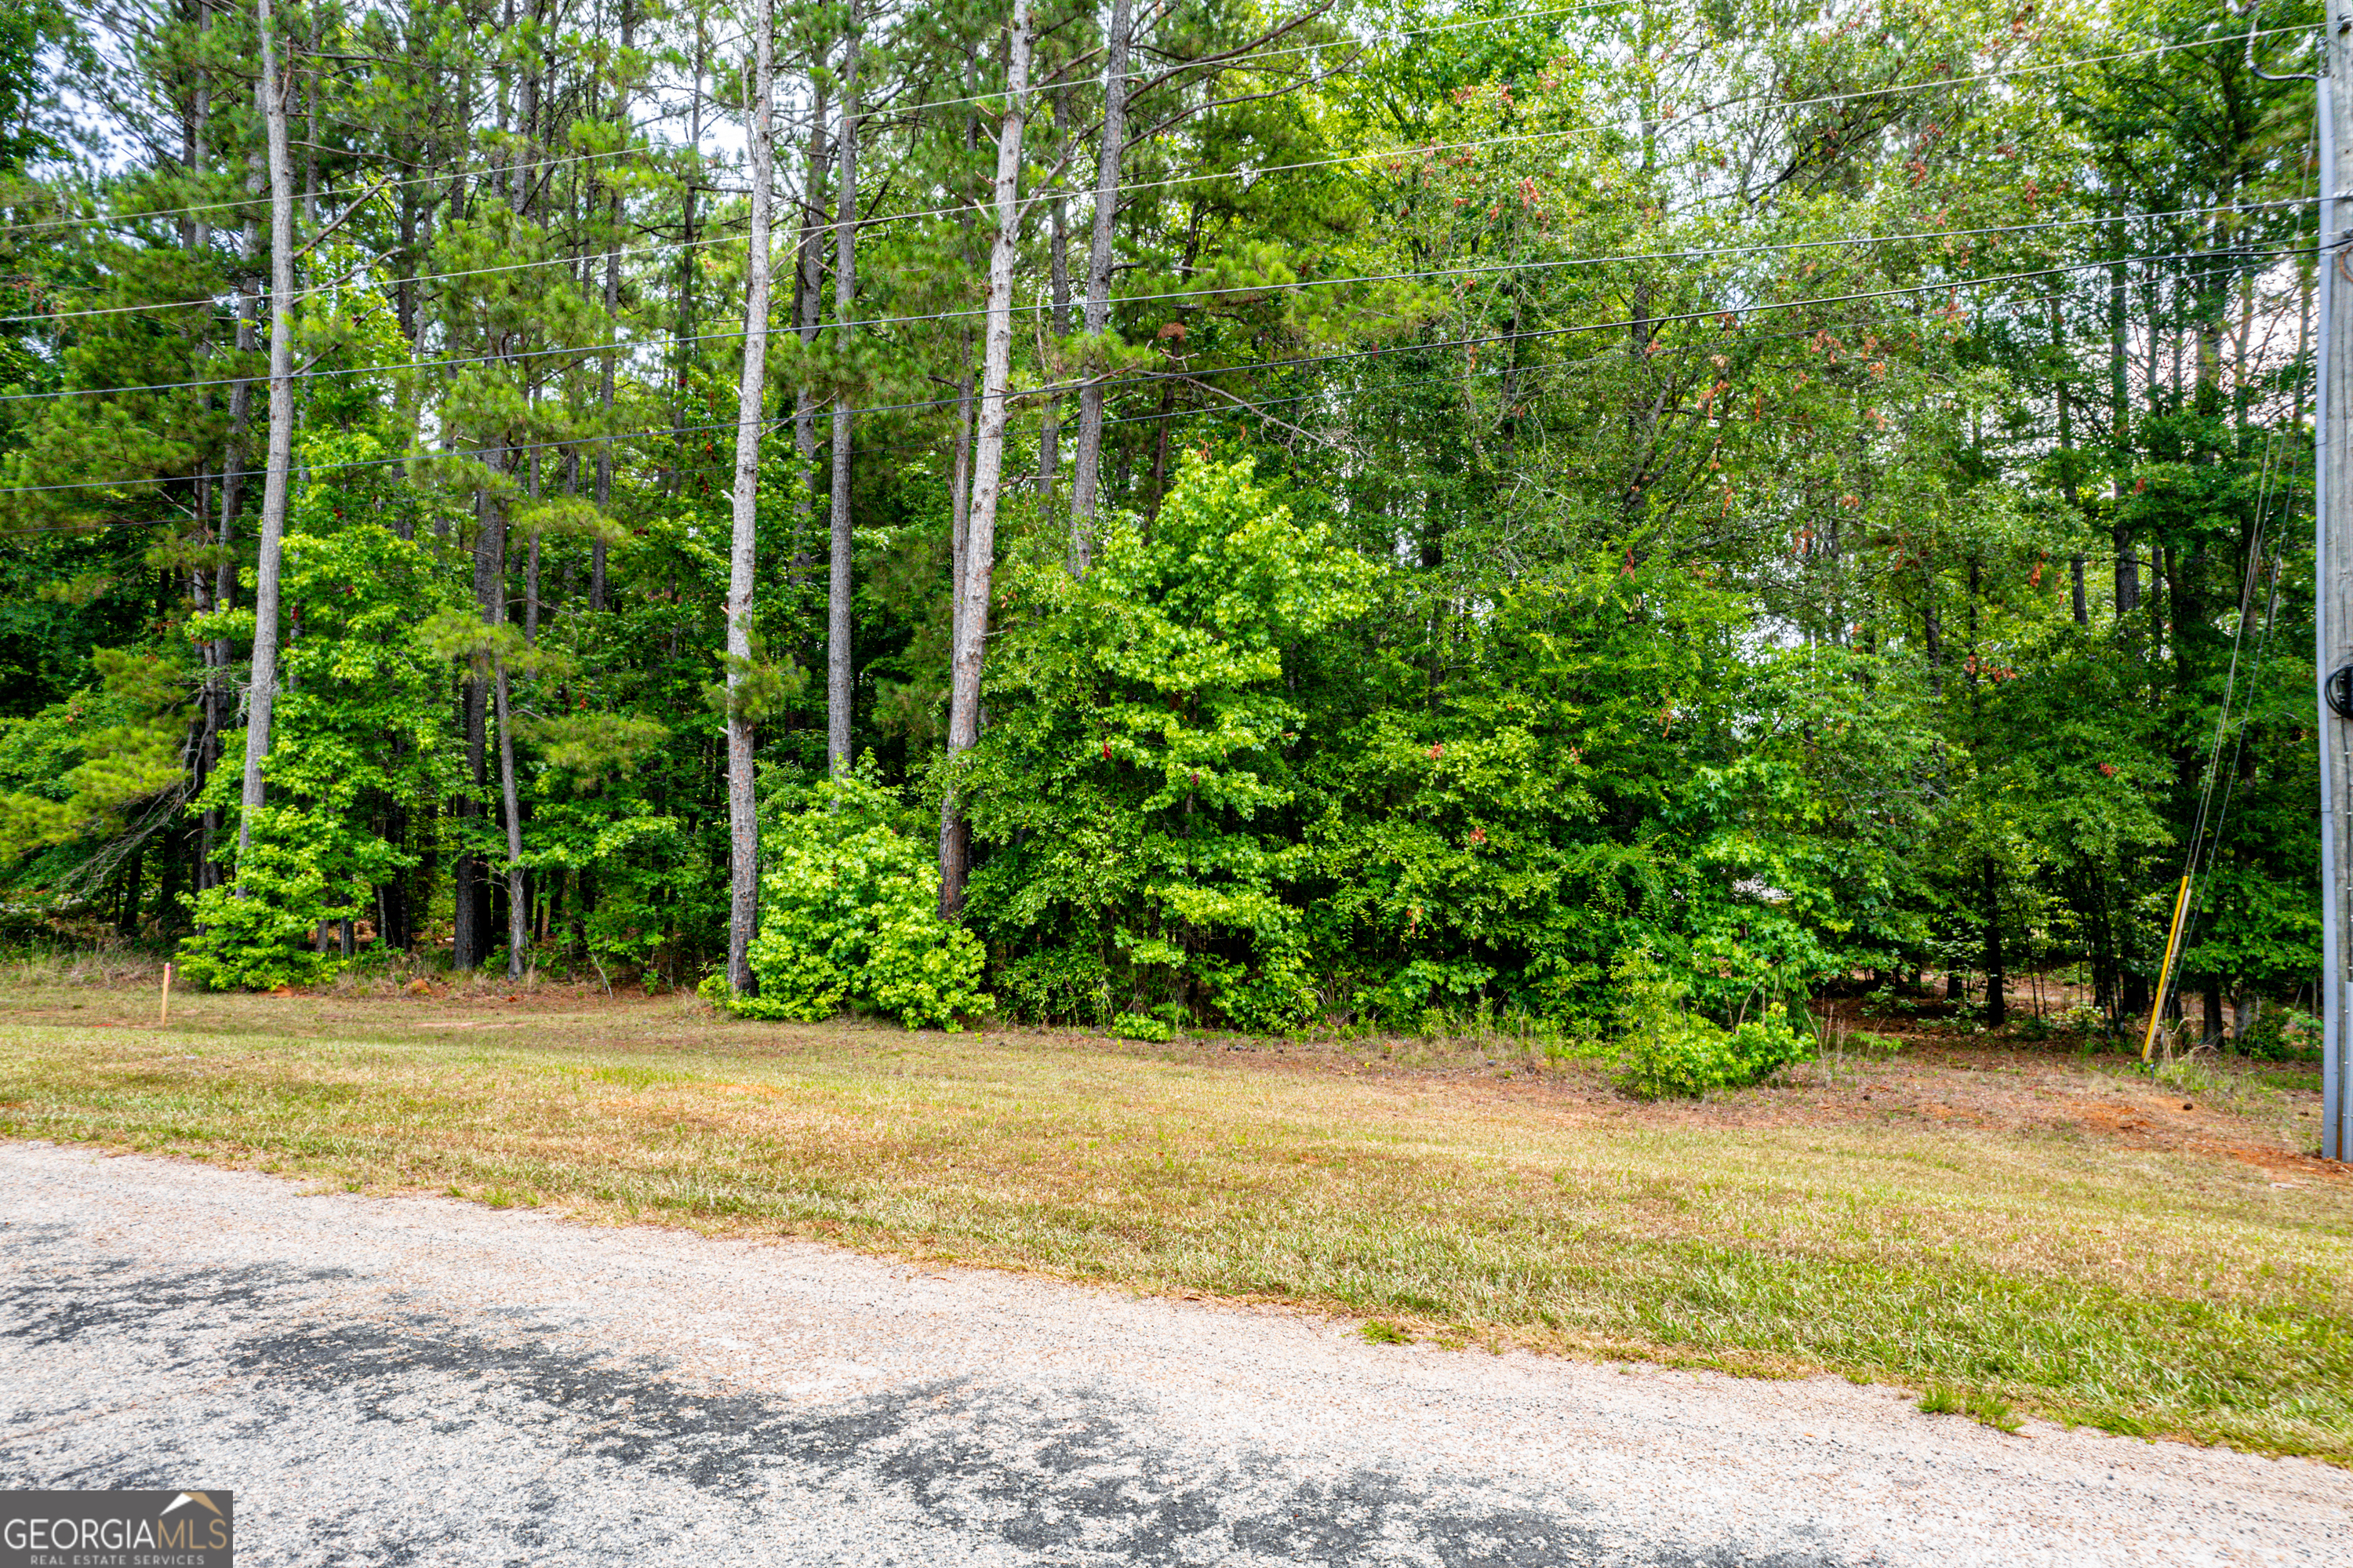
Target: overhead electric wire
{"x":232,"y":203}
{"x":1686,"y":253}
{"x":2232,"y":39}
{"x":1238,"y":409}
{"x":1244,"y":62}
{"x":1294,"y":286}
{"x":1678,"y":124}
{"x":1297,"y":362}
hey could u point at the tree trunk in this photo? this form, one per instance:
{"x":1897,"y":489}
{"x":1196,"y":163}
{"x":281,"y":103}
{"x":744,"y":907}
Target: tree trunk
{"x":808,"y":271}
{"x":311,"y":124}
{"x":612,"y":332}
{"x":2067,"y":487}
{"x":988,"y":460}
{"x":2128,"y":570}
{"x":959,"y":499}
{"x":518,"y":900}
{"x":1932,"y":631}
{"x":688,"y":251}
{"x":472,"y":912}
{"x":531,"y":568}
{"x":960,"y":455}
{"x":1997,"y":1005}
{"x":845,"y":285}
{"x":742,"y":819}
{"x":271,"y":89}
{"x":1086,"y":472}
{"x":1058,"y":260}
{"x":219,"y":699}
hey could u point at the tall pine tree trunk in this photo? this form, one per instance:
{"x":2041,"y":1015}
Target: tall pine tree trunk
{"x":743,"y":820}
{"x":612,"y":322}
{"x":518,"y":897}
{"x":989,"y":461}
{"x":838,"y":672}
{"x":2120,"y":421}
{"x":960,"y":453}
{"x":470,"y":939}
{"x":1058,"y":266}
{"x":1086,"y":472}
{"x":808,"y":275}
{"x":271,"y":89}
{"x":219,"y":699}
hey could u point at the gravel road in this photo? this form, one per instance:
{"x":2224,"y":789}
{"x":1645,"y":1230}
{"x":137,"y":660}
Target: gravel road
{"x":418,"y":1380}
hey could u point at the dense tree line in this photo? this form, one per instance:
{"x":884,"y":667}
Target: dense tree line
{"x":1199,"y":508}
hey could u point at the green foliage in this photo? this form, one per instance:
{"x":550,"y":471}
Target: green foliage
{"x":1142,"y":1027}
{"x":849,"y":915}
{"x":1056,"y":985}
{"x":1825,"y":611}
{"x":1666,"y":1051}
{"x":2282,"y":1034}
{"x":1138,"y":769}
{"x":92,"y":760}
{"x":256,"y":935}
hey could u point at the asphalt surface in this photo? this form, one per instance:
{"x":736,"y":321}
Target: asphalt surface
{"x":417,"y":1380}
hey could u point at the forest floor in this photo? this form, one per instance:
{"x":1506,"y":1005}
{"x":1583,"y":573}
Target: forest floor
{"x":2000,"y":1229}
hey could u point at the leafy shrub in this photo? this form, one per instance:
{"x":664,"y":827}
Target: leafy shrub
{"x":256,"y":936}
{"x":1426,"y":984}
{"x":1142,"y":1027}
{"x":2283,"y":1035}
{"x":1057,"y":985}
{"x":848,"y":913}
{"x":1665,"y":1052}
{"x":1268,"y":996}
{"x":2082,"y":1020}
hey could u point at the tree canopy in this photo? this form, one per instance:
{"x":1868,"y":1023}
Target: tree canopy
{"x":1323,"y":512}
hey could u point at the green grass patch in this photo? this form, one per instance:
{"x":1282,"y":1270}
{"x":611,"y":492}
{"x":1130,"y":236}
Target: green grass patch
{"x":2124,"y":1288}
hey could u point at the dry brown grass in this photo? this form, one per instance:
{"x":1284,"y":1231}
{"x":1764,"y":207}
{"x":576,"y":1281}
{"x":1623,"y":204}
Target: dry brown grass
{"x":2055,"y":1233}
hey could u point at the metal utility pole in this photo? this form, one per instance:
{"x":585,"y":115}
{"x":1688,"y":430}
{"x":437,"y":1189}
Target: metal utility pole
{"x":2333,"y":585}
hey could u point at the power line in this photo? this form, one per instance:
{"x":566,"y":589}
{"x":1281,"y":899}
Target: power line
{"x":233,"y":203}
{"x":1294,"y":286}
{"x":1525,"y":137}
{"x":1238,"y":409}
{"x":1679,"y":123}
{"x":672,"y":246}
{"x":1147,"y":377}
{"x":2232,"y":39}
{"x":1245,"y":61}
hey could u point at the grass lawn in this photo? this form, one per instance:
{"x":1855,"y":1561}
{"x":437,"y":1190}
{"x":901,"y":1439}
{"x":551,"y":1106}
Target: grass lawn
{"x":1992,"y":1227}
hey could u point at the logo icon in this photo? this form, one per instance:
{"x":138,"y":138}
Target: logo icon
{"x":118,"y":1530}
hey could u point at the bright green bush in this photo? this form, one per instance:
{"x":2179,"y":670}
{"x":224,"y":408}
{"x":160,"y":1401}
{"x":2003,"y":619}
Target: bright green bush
{"x":1142,"y":1027}
{"x":849,"y":915}
{"x":1666,"y":1051}
{"x":256,"y":935}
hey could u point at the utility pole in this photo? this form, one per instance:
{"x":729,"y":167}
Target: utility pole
{"x":2333,"y":585}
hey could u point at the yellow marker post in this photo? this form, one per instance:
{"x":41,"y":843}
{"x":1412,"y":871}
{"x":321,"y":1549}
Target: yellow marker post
{"x":2165,"y":970}
{"x":164,"y":1019}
